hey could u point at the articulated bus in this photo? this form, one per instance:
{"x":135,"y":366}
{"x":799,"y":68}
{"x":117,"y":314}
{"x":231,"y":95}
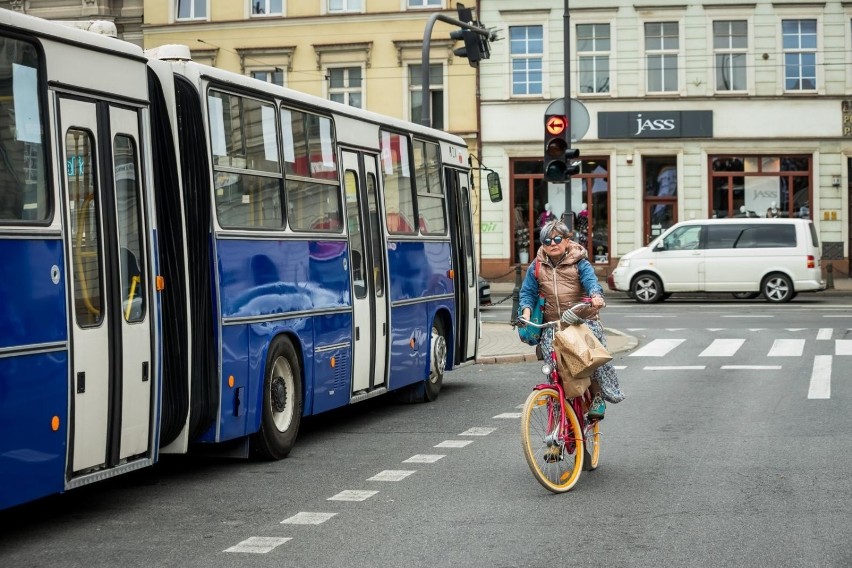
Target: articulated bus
{"x":195,"y":259}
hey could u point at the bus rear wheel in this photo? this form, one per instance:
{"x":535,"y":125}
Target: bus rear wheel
{"x":282,"y":402}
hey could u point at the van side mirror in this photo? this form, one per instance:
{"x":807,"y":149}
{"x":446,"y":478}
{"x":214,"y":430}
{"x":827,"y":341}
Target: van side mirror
{"x":659,"y":246}
{"x":495,"y":191}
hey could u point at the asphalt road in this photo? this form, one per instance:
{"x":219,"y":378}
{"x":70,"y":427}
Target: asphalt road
{"x":716,"y":458}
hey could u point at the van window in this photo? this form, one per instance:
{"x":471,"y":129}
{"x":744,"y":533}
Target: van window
{"x":723,"y":236}
{"x":683,"y":238}
{"x":767,"y":236}
{"x":814,"y":239}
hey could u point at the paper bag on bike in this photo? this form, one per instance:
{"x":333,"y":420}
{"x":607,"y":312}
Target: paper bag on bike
{"x":579,"y":351}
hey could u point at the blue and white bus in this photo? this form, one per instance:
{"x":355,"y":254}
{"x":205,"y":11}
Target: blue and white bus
{"x":196,"y":258}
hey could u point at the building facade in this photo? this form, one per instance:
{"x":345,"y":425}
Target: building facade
{"x":365,"y":53}
{"x":684,"y":111}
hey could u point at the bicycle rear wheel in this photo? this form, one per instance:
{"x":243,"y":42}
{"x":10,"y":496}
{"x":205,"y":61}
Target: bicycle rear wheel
{"x":555,"y":457}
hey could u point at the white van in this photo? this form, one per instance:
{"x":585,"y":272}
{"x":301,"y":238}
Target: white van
{"x":775,"y":257}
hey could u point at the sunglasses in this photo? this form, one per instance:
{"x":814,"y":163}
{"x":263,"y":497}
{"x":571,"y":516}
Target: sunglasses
{"x":555,"y":240}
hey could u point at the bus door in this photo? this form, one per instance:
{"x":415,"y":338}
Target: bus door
{"x":110,"y":319}
{"x":466,"y":288}
{"x":367,"y":269}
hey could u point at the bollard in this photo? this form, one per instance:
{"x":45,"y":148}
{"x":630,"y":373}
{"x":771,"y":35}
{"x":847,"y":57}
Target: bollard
{"x":829,"y":278}
{"x":516,"y":293}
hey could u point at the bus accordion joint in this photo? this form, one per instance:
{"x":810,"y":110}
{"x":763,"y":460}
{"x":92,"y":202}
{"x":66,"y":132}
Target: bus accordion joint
{"x":161,"y":283}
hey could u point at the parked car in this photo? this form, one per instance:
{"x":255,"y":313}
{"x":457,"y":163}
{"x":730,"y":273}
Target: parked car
{"x":775,"y":257}
{"x":484,"y":292}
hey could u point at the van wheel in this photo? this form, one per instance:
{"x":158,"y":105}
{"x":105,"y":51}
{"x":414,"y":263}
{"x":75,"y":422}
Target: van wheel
{"x":777,"y":288}
{"x":746,"y":295}
{"x":647,"y":289}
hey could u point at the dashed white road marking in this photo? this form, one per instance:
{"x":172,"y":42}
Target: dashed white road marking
{"x":479,"y":430}
{"x":307,"y":518}
{"x":820,"y":386}
{"x":675,"y":368}
{"x":258,"y":544}
{"x":746,"y":316}
{"x":619,"y":367}
{"x":722,"y":348}
{"x":787,"y":348}
{"x":843,"y":346}
{"x":352,"y":495}
{"x":825,"y":333}
{"x":424,"y":458}
{"x":391,"y":475}
{"x":795,"y":328}
{"x":751,"y":367}
{"x":508,"y":415}
{"x":453,"y":443}
{"x":657,"y":348}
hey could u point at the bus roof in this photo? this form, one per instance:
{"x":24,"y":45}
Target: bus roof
{"x":228,"y":77}
{"x":67,"y":34}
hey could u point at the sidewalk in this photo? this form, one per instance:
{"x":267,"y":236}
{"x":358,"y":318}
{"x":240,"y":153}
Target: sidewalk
{"x":499,"y":342}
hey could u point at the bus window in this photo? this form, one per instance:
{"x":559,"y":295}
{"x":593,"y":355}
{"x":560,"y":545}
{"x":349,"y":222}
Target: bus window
{"x":430,"y":191}
{"x":23,"y":189}
{"x":244,"y":138}
{"x":130,"y":234}
{"x":310,"y":167}
{"x":396,"y":178}
{"x":356,"y":241}
{"x":85,"y":230}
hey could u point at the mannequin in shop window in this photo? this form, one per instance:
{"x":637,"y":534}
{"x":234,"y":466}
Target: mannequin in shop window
{"x":546,"y":215}
{"x":773,"y":212}
{"x":582,"y":229}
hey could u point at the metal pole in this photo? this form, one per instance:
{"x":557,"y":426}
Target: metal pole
{"x":568,"y":218}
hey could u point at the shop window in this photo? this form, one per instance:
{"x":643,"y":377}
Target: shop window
{"x":760,"y":186}
{"x":660,"y":204}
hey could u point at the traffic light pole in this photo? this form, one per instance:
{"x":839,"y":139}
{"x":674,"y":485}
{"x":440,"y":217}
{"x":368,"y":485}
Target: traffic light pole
{"x":426,"y":99}
{"x":567,"y":218}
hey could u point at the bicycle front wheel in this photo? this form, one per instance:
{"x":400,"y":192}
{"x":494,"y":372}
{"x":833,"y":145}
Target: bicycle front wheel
{"x":554,"y":454}
{"x":592,"y":445}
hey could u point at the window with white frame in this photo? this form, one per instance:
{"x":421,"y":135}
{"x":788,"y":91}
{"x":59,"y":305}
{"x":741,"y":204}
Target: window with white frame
{"x":593,"y":51}
{"x":267,"y":7}
{"x":662,"y":45}
{"x":191,"y":9}
{"x":345,"y":5}
{"x":425,"y":3}
{"x":274,"y":76}
{"x":344,"y":86}
{"x":527,"y":55}
{"x":436,"y":94}
{"x":730,"y":50}
{"x":799,"y":43}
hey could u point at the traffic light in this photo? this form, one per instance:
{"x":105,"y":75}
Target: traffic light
{"x":472,"y":49}
{"x":560,"y":161}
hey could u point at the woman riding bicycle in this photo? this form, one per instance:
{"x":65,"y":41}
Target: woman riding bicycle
{"x":565,"y":276}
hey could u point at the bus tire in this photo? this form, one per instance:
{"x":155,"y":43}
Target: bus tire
{"x":428,"y":390}
{"x":282,"y":402}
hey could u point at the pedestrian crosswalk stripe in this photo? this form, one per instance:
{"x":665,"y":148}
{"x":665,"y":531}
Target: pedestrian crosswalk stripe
{"x":722,"y":348}
{"x":787,"y":348}
{"x":657,"y":348}
{"x":258,"y":544}
{"x":820,"y":386}
{"x":307,"y":518}
{"x":843,"y":347}
{"x":825,"y":333}
{"x":674,"y":368}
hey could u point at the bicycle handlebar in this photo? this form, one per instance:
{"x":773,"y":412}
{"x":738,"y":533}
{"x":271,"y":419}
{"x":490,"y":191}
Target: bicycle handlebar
{"x":568,"y":316}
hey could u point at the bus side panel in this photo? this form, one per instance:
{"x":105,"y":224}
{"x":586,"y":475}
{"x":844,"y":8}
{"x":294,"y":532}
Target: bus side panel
{"x":418,"y":270}
{"x":33,"y":387}
{"x":33,"y":390}
{"x":275,"y":277}
{"x":332,"y":357}
{"x":235,"y":363}
{"x":409,"y":345}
